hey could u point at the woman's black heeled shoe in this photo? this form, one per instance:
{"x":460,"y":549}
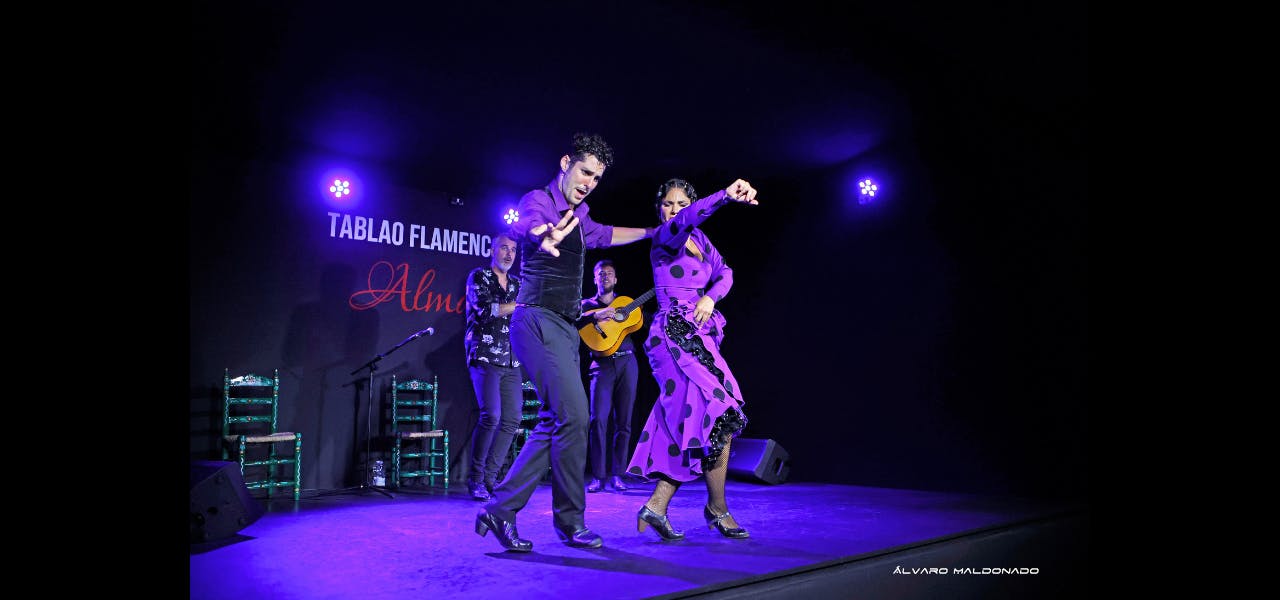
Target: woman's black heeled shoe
{"x":717,"y":521}
{"x":660,"y":524}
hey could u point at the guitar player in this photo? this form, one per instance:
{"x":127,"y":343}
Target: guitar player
{"x":613,"y":391}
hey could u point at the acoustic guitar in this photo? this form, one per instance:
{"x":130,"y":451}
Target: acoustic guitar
{"x":605,"y":336}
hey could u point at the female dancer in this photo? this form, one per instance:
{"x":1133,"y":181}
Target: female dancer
{"x":699,"y":407}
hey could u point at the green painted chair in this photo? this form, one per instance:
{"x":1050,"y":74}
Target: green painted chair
{"x":417,"y":435}
{"x":250,"y":433}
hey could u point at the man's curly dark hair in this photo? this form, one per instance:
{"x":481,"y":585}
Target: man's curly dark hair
{"x":591,"y":143}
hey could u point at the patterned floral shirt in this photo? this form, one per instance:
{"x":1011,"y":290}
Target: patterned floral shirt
{"x":488,"y":337}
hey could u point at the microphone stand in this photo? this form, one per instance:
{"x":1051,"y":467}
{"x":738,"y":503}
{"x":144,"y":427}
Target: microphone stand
{"x":372,"y":365}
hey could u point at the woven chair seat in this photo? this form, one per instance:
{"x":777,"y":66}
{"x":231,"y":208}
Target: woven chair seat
{"x":279,"y":436}
{"x":417,"y":435}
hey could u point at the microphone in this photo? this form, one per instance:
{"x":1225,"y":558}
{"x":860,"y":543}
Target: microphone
{"x":427,"y":331}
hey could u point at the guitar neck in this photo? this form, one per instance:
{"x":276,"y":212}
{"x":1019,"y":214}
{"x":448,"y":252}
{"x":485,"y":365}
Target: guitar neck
{"x":641,"y":300}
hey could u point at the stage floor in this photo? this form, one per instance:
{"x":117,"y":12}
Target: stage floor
{"x":422,"y":543}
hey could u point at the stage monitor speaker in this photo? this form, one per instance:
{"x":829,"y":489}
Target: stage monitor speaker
{"x":758,"y":460}
{"x":220,"y":502}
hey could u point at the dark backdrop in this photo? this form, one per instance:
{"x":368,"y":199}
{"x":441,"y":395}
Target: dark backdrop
{"x":936,"y":339}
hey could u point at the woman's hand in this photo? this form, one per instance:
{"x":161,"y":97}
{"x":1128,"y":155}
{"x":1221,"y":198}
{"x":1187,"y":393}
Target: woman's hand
{"x":741,"y":191}
{"x":702,"y":311}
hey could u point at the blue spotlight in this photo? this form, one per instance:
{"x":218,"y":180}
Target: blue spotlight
{"x":340,"y":188}
{"x":867,"y":190}
{"x":512,"y":216}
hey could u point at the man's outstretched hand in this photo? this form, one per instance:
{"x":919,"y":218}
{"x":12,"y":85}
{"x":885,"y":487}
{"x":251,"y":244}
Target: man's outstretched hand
{"x":553,"y":237}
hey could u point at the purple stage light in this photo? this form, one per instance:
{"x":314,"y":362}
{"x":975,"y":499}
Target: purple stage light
{"x":512,"y":216}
